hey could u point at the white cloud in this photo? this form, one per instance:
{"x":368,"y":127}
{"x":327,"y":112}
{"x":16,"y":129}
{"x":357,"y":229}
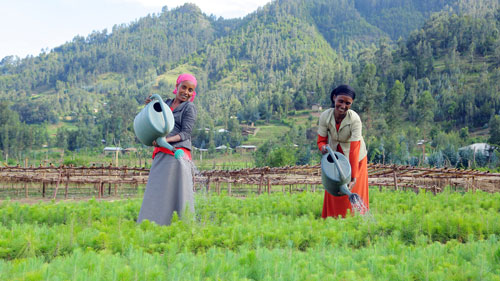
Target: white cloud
{"x":145,"y":3}
{"x":224,"y":8}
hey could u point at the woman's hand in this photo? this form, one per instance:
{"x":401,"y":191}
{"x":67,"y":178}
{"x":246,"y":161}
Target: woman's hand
{"x":324,"y":149}
{"x":352,"y":183}
{"x":148,"y":100}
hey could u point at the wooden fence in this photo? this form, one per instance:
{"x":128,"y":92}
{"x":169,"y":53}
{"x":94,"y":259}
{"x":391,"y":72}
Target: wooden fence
{"x":101,"y":181}
{"x":74,"y":181}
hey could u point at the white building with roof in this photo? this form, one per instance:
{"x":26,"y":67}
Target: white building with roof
{"x":479,"y":147}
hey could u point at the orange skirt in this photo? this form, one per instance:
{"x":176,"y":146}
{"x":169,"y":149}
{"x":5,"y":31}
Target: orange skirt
{"x":334,"y":206}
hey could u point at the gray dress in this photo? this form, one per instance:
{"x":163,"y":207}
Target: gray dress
{"x":170,"y":183}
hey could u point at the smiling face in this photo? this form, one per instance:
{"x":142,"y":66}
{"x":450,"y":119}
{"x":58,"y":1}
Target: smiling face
{"x":185,"y":90}
{"x":342,"y":104}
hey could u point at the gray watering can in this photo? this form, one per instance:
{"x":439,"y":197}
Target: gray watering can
{"x":154,"y":122}
{"x":336,"y":175}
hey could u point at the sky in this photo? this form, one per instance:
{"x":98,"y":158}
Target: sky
{"x":29,"y":26}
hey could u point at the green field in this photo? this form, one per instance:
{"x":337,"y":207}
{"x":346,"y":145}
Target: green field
{"x":218,"y":160}
{"x":450,"y":236}
{"x":276,"y":129}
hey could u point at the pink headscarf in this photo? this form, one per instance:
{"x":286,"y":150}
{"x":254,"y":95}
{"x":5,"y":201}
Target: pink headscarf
{"x":186,"y":77}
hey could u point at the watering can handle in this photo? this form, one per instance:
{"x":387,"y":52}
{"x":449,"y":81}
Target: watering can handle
{"x":156,"y":96}
{"x":343,"y":188}
{"x":179,"y":153}
{"x":332,"y":153}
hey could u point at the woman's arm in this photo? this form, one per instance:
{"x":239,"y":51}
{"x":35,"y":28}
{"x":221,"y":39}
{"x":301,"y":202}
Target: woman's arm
{"x":322,"y":142}
{"x":323,"y":132}
{"x":354,"y":149}
{"x":188,"y":120}
{"x":172,"y":139}
{"x":354,"y":158}
{"x":187,"y":123}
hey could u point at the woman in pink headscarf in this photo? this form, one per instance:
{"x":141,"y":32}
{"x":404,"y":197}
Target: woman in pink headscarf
{"x":170,"y":183}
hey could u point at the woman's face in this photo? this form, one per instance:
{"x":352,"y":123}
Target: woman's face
{"x":185,"y":90}
{"x":342,"y":103}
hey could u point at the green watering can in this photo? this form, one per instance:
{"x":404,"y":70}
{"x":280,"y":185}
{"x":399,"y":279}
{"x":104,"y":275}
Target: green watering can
{"x":336,"y":175}
{"x":154,"y":122}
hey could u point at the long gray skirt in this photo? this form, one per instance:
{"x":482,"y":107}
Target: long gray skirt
{"x":169,"y":189}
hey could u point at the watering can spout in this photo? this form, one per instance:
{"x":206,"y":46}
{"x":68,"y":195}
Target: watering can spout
{"x":178,"y":153}
{"x":345,"y":190}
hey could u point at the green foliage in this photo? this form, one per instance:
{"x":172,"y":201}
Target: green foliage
{"x":440,"y":75}
{"x":77,"y":162}
{"x":494,"y":126}
{"x":398,"y":18}
{"x":425,"y":107}
{"x":275,"y":155}
{"x":275,"y":237}
{"x":282,"y":156}
{"x":393,"y":105}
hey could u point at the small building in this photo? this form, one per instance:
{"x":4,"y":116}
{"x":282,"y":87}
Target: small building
{"x":479,"y":147}
{"x":248,"y":148}
{"x":112,"y":149}
{"x":316,"y":107}
{"x":222,"y":148}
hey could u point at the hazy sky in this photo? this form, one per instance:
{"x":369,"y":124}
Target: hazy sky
{"x":28,"y":26}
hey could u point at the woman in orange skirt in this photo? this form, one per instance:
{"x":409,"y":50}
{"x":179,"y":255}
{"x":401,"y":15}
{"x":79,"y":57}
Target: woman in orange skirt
{"x":340,"y":128}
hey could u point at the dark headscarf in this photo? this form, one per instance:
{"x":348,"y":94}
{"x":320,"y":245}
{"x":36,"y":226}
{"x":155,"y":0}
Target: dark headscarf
{"x":345,"y":90}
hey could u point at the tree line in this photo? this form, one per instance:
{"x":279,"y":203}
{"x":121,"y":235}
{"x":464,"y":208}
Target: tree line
{"x":438,"y":83}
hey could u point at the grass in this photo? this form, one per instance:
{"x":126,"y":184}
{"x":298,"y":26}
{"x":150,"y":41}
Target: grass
{"x":45,"y":156}
{"x":85,"y":157}
{"x":232,"y":160}
{"x":276,"y":128}
{"x":52,"y":128}
{"x":171,"y":76}
{"x":407,"y":236}
{"x":267,"y":132}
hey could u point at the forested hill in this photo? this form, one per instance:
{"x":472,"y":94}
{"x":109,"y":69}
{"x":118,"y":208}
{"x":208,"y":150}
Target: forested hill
{"x":157,"y":41}
{"x":284,"y":57}
{"x":155,"y":44}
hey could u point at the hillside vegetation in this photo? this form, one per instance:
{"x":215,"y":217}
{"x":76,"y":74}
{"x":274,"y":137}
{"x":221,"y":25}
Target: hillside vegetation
{"x":423,"y":70}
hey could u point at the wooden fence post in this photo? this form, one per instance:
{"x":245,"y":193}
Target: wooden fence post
{"x":268,"y":185}
{"x":395,"y":178}
{"x":58,"y":182}
{"x":260,"y":183}
{"x":66,"y":187}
